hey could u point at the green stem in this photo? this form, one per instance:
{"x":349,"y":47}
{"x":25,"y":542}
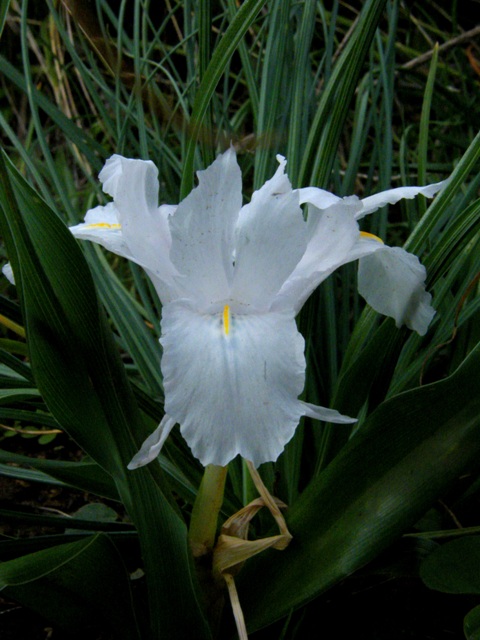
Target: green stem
{"x":203,"y":524}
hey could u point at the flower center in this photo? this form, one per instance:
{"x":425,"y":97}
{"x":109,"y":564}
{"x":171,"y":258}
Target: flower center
{"x":226,"y":319}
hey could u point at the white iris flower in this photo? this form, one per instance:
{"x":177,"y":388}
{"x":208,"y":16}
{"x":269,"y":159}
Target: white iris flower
{"x":231,"y":280}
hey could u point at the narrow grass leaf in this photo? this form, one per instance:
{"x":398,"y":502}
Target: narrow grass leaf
{"x":239,"y":25}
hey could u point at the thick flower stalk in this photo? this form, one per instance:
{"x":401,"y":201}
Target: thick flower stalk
{"x":231,"y":280}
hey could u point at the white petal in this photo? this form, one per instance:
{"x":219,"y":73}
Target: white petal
{"x":234,"y":393}
{"x":334,"y":234}
{"x":319,"y":197}
{"x":392,"y":281}
{"x":102,"y":226}
{"x":133,"y":226}
{"x":133,"y":185}
{"x":326,"y":415}
{"x":152,"y":445}
{"x":271,"y":238}
{"x":391,"y":196}
{"x":8,"y":272}
{"x":202,"y":232}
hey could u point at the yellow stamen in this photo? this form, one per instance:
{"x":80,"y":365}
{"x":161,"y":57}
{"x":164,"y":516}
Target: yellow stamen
{"x":364,"y":234}
{"x":226,"y":319}
{"x":105,"y":225}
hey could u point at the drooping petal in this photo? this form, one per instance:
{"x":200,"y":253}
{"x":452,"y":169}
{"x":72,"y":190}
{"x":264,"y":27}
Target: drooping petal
{"x":334,"y":234}
{"x":233,"y":387}
{"x":102,"y":226}
{"x":153,"y":444}
{"x":271,"y":238}
{"x":202,"y":231}
{"x":391,"y":196}
{"x":326,"y":415}
{"x":392,"y":281}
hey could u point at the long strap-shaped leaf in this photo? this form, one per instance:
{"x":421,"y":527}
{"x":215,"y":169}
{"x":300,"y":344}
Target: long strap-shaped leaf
{"x":80,"y":376}
{"x":405,"y":456}
{"x":332,"y":111}
{"x":4,"y":6}
{"x":222,"y":54}
{"x":46,"y":582}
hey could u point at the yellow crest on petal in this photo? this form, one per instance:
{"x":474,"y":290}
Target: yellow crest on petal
{"x":371,"y":236}
{"x":226,"y":319}
{"x":104,"y":225}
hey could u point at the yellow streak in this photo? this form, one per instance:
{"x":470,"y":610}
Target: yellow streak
{"x":104,"y":225}
{"x":13,"y":326}
{"x":226,"y":319}
{"x":364,"y":234}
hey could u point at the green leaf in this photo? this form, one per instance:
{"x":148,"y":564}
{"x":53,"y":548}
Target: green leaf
{"x":471,"y":624}
{"x":405,"y":456}
{"x":4,"y":6}
{"x":16,"y":395}
{"x":79,"y":584}
{"x":239,"y":25}
{"x":30,"y":475}
{"x":272,"y":113}
{"x":327,"y":127}
{"x":454,"y":567}
{"x":85,"y":524}
{"x":81,"y":378}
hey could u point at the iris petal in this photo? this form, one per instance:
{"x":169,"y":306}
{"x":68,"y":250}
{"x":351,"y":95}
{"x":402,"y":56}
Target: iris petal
{"x":271,"y":238}
{"x":133,"y":184}
{"x":234,"y":393}
{"x":8,"y":272}
{"x":103,"y":227}
{"x":391,"y":196}
{"x":392,"y":281}
{"x":133,"y":226}
{"x":319,"y":197}
{"x":153,"y":444}
{"x":202,"y":231}
{"x":334,"y":233}
{"x":326,"y":415}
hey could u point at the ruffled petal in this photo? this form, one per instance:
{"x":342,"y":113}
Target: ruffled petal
{"x":323,"y":199}
{"x":392,"y":281}
{"x":153,"y":444}
{"x":133,"y":185}
{"x":271,"y":238}
{"x":233,"y":389}
{"x":134,"y":226}
{"x":202,"y":231}
{"x":391,"y":196}
{"x":326,"y":415}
